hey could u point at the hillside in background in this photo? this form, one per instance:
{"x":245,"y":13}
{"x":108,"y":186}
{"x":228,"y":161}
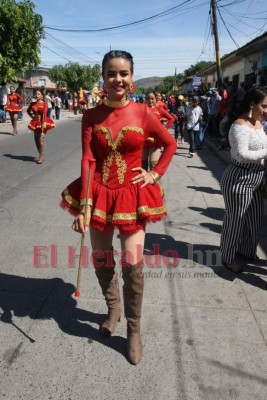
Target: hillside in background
{"x":148,"y":82}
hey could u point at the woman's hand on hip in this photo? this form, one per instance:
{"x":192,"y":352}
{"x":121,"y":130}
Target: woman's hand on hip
{"x":143,"y":176}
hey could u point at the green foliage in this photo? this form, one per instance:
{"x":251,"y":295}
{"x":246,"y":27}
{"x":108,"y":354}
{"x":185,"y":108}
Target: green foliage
{"x":194,"y":69}
{"x":74,"y":76}
{"x":22,"y":30}
{"x":169,"y":84}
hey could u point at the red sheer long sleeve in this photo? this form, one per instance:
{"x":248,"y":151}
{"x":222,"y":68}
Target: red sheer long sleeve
{"x":19,"y":99}
{"x":88,"y":160}
{"x":29,"y":109}
{"x":168,"y":116}
{"x":155,"y":129}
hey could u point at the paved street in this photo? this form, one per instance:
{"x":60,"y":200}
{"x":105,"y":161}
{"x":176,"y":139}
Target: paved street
{"x":204,"y":329}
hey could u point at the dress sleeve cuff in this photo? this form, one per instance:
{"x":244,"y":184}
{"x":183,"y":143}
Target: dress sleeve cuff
{"x":89,"y":202}
{"x":154,"y":175}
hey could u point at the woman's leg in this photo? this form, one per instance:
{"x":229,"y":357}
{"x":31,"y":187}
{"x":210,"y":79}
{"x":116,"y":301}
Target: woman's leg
{"x":36,"y":140}
{"x":132,"y":248}
{"x":182,"y":129}
{"x":104,"y":265}
{"x":41,"y":143}
{"x":12,"y":123}
{"x":252,"y":223}
{"x":191,"y":141}
{"x":176,"y":129}
{"x":237,"y":196}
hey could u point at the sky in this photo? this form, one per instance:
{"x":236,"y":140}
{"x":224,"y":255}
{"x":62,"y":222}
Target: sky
{"x":160,"y":46}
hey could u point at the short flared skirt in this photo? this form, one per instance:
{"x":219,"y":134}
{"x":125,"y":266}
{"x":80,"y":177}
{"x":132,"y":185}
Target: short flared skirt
{"x":83,"y":102}
{"x":36,"y":125}
{"x":128,"y":208}
{"x":14,"y":108}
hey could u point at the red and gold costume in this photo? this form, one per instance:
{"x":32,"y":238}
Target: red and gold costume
{"x":38,"y":110}
{"x":113,"y":140}
{"x":162,"y":116}
{"x":83,"y":97}
{"x":14,"y":102}
{"x":161,"y":104}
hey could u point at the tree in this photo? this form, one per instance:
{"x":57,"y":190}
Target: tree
{"x":194,"y":69}
{"x":57,"y":75}
{"x":22,"y":30}
{"x":75,"y":76}
{"x":169,"y":82}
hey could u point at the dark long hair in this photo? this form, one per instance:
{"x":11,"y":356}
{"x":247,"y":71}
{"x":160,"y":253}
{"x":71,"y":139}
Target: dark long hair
{"x":117,"y":54}
{"x":256,"y":94}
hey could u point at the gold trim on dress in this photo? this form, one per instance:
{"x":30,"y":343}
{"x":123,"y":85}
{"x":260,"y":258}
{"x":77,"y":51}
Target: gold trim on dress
{"x":128,"y":216}
{"x":70,"y":200}
{"x":83,"y":202}
{"x":121,"y":164}
{"x":116,"y":104}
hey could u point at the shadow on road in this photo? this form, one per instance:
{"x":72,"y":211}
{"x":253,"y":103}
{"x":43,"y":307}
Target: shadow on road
{"x":42,"y":299}
{"x":205,"y":189}
{"x":195,"y":255}
{"x":21,"y":158}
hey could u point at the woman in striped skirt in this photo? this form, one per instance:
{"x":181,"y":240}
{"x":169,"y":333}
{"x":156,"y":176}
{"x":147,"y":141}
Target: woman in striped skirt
{"x":243,"y":180}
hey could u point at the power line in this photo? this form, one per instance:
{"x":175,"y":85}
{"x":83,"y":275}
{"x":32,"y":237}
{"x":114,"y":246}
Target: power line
{"x":227,"y":28}
{"x":46,"y":47}
{"x":72,"y":48}
{"x":159,"y":15}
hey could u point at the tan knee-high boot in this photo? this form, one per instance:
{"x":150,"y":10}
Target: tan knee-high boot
{"x":133,"y":294}
{"x":108,"y":280}
{"x":41,"y":139}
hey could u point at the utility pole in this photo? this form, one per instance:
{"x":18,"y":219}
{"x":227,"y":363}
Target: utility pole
{"x":213,"y":4}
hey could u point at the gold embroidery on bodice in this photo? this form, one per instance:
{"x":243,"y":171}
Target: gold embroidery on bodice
{"x":121,"y":164}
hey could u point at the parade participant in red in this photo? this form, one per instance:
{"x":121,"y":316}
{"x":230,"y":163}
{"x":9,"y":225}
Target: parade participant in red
{"x":83,"y":101}
{"x":151,"y":151}
{"x":40,"y":123}
{"x":160,"y":102}
{"x":14,"y":101}
{"x":122,"y":193}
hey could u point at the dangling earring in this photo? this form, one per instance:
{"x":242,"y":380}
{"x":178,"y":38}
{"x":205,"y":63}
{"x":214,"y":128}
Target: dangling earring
{"x":250,"y":112}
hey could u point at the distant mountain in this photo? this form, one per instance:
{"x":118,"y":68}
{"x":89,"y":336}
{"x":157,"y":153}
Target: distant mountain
{"x":148,"y":82}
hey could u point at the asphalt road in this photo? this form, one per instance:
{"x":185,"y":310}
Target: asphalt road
{"x":204,"y":329}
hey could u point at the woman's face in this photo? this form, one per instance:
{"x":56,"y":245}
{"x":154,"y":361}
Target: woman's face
{"x":117,"y":77}
{"x":38,"y":95}
{"x":259,"y":111}
{"x":158,"y":97}
{"x":151,"y":100}
{"x":12,"y":89}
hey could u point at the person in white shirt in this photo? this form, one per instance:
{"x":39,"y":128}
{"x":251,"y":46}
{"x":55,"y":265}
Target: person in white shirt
{"x":194,"y":116}
{"x":57,"y":106}
{"x":48,"y":101}
{"x":242,"y":183}
{"x":4,"y":92}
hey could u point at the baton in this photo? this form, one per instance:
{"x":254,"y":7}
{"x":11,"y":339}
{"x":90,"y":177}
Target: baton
{"x":77,"y":292}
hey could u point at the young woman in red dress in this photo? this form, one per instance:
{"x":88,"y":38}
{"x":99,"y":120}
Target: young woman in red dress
{"x":122,"y":194}
{"x":151,"y":152}
{"x":14,"y":101}
{"x":40,"y":123}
